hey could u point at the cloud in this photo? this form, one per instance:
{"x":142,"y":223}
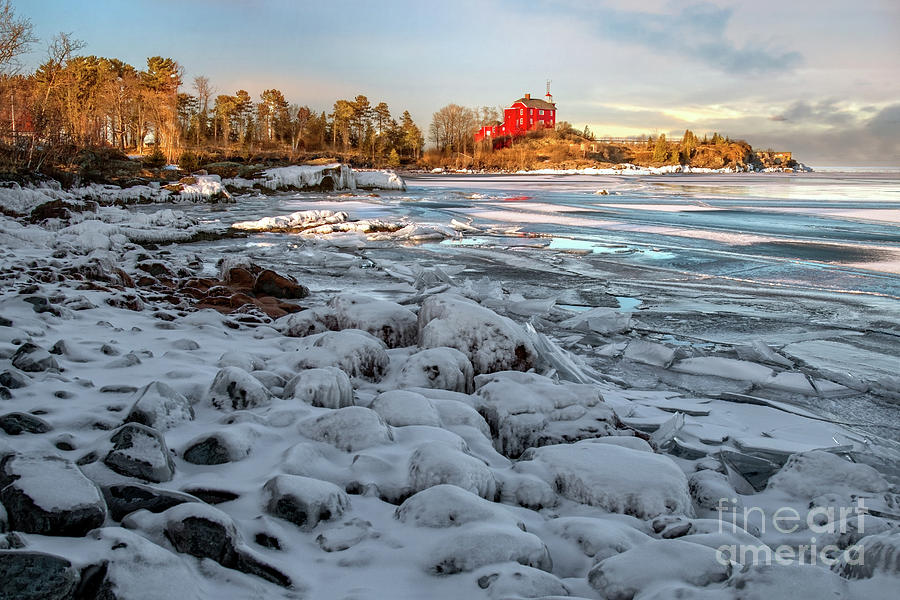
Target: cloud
{"x":825,"y":112}
{"x":698,"y":32}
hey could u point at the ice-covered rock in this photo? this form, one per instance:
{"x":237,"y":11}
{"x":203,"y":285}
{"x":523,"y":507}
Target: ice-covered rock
{"x":296,"y":221}
{"x":350,"y":429}
{"x":400,"y":408}
{"x":357,"y":353}
{"x":438,"y":368}
{"x":814,"y":473}
{"x":435,"y":463}
{"x":491,"y":342}
{"x":525,"y":410}
{"x":304,"y":501}
{"x":235,"y":389}
{"x":326,"y":387}
{"x":379,"y":180}
{"x":48,"y":495}
{"x":625,"y":575}
{"x":611,"y":477}
{"x":390,"y":322}
{"x":140,"y":451}
{"x":478,"y":545}
{"x":28,"y":575}
{"x":159,"y":406}
{"x":446,"y":505}
{"x":303,"y":323}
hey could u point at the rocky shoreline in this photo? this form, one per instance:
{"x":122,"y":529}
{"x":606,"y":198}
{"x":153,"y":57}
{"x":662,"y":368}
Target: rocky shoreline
{"x":198,"y":424}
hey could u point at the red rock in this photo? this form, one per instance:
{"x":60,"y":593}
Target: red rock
{"x":270,"y":283}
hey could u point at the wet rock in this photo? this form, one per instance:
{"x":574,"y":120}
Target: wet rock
{"x":471,"y":548}
{"x":122,"y":499}
{"x":491,"y":342}
{"x":33,"y":359}
{"x":326,"y":387}
{"x":304,"y":501}
{"x":437,"y":368}
{"x":235,"y":389}
{"x":435,"y":463}
{"x":271,"y":283}
{"x":140,"y":451}
{"x":350,"y":429}
{"x":16,"y":422}
{"x":26,"y":575}
{"x":206,"y":532}
{"x":13,"y":380}
{"x":159,"y":406}
{"x":49,"y":495}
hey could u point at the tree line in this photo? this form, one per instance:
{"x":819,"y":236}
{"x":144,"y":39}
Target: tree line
{"x":74,"y":100}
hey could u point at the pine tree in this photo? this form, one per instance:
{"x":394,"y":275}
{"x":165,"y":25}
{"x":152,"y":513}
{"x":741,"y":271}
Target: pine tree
{"x":661,"y":149}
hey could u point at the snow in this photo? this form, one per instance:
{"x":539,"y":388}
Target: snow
{"x":339,"y":176}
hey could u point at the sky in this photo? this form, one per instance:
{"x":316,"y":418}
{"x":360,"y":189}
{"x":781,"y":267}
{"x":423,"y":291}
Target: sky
{"x":818,"y":77}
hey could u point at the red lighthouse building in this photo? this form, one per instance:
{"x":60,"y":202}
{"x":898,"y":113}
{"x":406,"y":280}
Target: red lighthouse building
{"x":524,"y":115}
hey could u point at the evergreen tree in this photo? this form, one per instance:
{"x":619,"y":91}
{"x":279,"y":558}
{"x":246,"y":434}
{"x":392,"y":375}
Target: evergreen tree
{"x":660,"y":149}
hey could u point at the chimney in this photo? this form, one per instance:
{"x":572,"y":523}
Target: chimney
{"x":528,"y":96}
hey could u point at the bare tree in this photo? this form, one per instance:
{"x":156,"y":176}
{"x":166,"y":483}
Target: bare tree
{"x":15,"y":37}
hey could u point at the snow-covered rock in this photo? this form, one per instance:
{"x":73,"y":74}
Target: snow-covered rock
{"x":526,"y":410}
{"x":787,"y":582}
{"x":140,"y":451}
{"x":159,"y":406}
{"x":491,"y":342}
{"x":447,"y":505}
{"x":350,"y":429}
{"x":219,"y":447}
{"x":435,"y":463}
{"x":304,"y":501}
{"x":400,"y":408}
{"x":478,"y":545}
{"x":519,"y":581}
{"x":392,"y":323}
{"x":598,"y":538}
{"x":357,"y":353}
{"x":814,"y":473}
{"x":438,"y":368}
{"x":326,"y":387}
{"x":235,"y":389}
{"x":48,"y":495}
{"x":625,"y":575}
{"x":614,"y":478}
{"x":879,"y":558}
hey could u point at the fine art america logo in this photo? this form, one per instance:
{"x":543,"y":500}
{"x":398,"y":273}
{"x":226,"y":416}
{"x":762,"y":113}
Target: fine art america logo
{"x":806,"y":532}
